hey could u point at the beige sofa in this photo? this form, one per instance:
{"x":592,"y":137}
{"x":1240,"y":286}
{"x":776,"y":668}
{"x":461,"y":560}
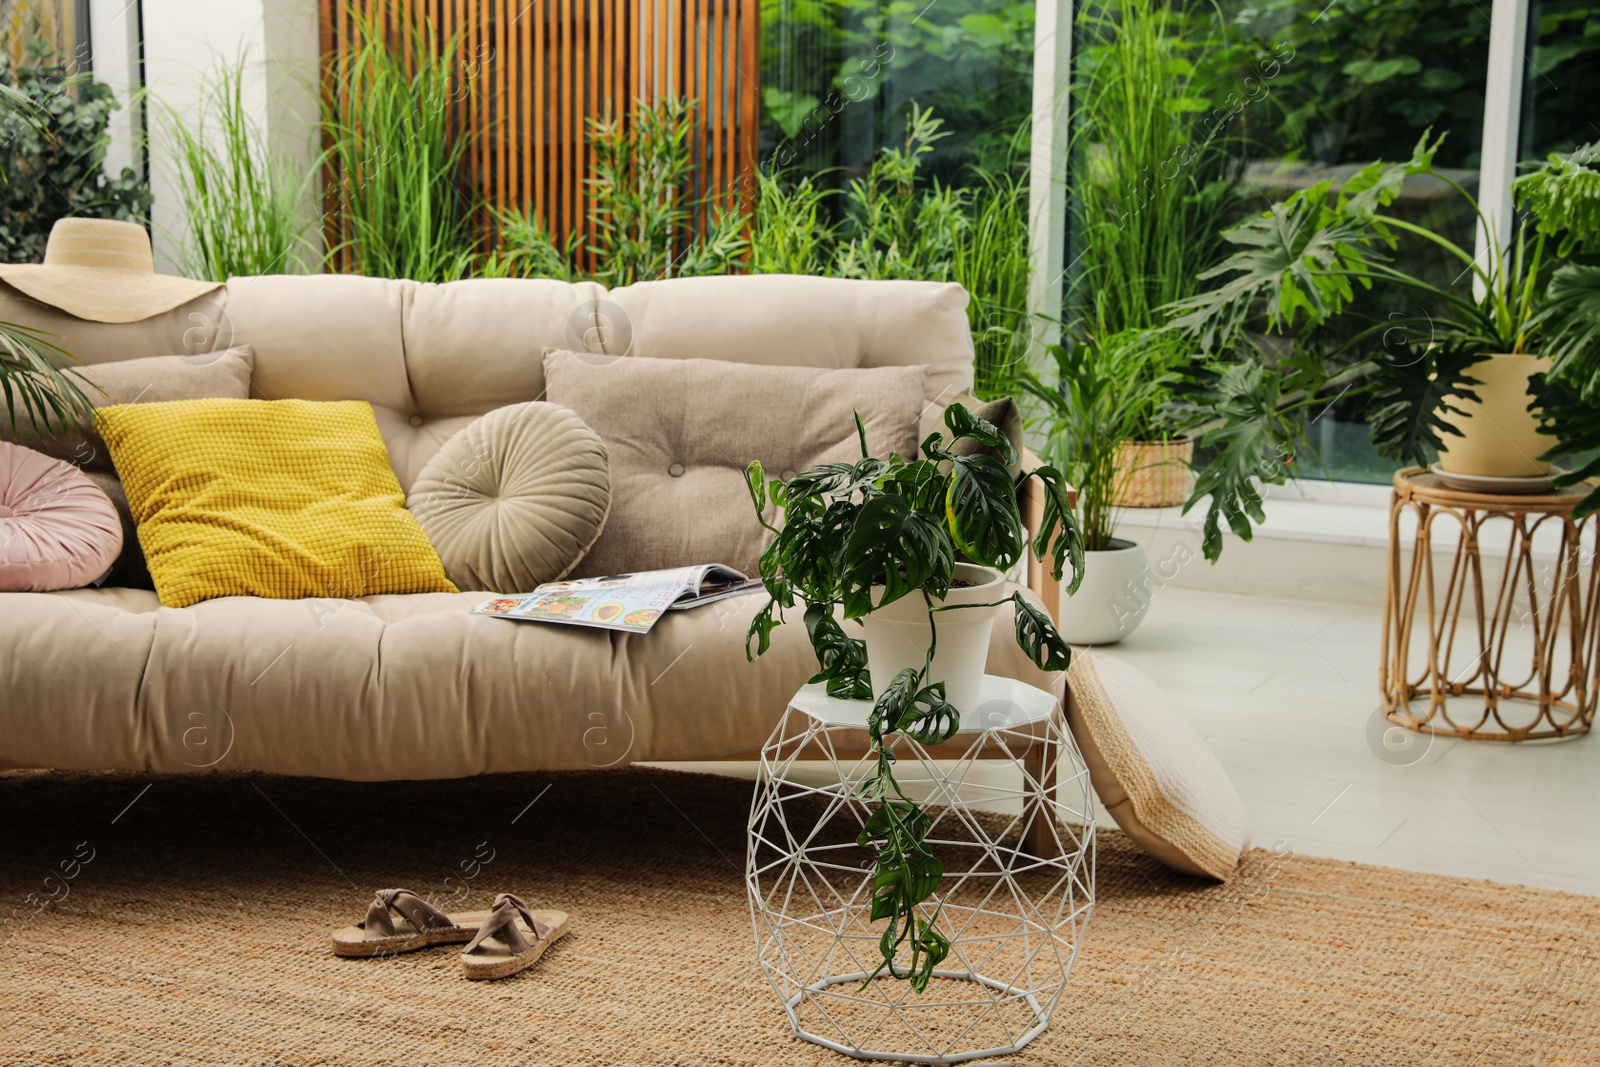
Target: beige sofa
{"x":390,"y":687}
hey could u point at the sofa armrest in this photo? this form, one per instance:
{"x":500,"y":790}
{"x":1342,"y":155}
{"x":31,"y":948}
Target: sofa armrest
{"x":1031,"y":500}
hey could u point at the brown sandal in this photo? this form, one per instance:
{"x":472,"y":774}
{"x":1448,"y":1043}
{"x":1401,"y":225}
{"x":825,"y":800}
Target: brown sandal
{"x":420,"y":926}
{"x":501,"y":947}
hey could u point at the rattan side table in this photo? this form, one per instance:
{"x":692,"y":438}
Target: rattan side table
{"x":1014,"y":912}
{"x":1506,"y":646}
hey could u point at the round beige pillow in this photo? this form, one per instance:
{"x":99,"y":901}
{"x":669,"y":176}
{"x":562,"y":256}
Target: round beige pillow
{"x":515,"y":499}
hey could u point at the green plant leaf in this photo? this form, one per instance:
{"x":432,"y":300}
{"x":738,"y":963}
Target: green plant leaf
{"x":843,"y":658}
{"x":930,"y":719}
{"x":1570,"y":323}
{"x":1037,"y":636}
{"x":963,"y":424}
{"x":1576,"y":423}
{"x":897,"y":701}
{"x":766,"y":620}
{"x":894,"y":546}
{"x":981,"y":512}
{"x":1060,"y":538}
{"x":1410,"y":397}
{"x":1255,"y":440}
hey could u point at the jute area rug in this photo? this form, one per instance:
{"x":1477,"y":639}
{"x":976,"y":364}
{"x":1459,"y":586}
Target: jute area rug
{"x":193,"y":930}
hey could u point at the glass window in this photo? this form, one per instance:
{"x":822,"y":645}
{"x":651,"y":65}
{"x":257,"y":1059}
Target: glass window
{"x":1295,"y":93}
{"x":839,"y":77}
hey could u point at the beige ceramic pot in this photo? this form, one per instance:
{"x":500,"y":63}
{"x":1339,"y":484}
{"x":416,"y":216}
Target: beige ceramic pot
{"x":1500,"y":437}
{"x":1153,"y":474}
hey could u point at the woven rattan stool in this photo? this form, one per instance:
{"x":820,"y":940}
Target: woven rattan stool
{"x":1481,"y":645}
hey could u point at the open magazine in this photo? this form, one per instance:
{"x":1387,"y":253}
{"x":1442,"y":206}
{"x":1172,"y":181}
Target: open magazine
{"x":628,"y":602}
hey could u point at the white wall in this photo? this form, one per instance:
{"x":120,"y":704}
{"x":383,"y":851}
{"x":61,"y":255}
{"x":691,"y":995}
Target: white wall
{"x":114,"y":48}
{"x":184,"y":40}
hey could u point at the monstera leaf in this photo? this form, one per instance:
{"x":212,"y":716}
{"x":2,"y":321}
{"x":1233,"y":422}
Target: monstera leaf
{"x":897,"y":547}
{"x":981,"y":512}
{"x":843,"y":658}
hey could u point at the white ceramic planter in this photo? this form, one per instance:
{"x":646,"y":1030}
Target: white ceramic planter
{"x":898,"y":636}
{"x":1112,"y":600}
{"x":1500,"y":437}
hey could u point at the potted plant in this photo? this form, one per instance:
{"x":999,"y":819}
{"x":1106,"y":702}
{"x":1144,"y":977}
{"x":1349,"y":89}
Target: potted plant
{"x":1471,"y":372}
{"x":881,"y":540}
{"x":1107,"y":389}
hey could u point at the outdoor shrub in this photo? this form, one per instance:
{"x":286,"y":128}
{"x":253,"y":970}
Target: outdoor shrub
{"x":245,"y":207}
{"x":403,"y":207}
{"x":54,"y":161}
{"x":643,"y":210}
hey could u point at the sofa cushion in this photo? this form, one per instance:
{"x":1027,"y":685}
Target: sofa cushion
{"x":515,"y":499}
{"x":57,"y":529}
{"x":800,"y":321}
{"x":1152,"y":771}
{"x":286,"y":498}
{"x":681,"y":433}
{"x":151,"y":380}
{"x":428,"y":358}
{"x":387,"y":687}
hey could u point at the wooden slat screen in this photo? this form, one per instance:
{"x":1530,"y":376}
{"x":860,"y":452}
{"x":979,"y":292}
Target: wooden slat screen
{"x":539,"y":69}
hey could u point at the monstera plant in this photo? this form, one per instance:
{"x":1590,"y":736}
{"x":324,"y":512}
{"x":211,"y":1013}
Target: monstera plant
{"x":857,"y":537}
{"x":1295,"y":270}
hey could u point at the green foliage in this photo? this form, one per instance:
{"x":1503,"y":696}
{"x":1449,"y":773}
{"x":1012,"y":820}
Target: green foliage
{"x":1149,"y":181}
{"x":1405,"y":399}
{"x":33,"y":383}
{"x":643,"y":209}
{"x":858,"y":536}
{"x":52,"y":156}
{"x":1107,"y":390}
{"x":1296,"y":268}
{"x":403,"y":207}
{"x":791,"y":232}
{"x":893,"y":225}
{"x":245,"y":206}
{"x":825,"y":65}
{"x":1563,"y":194}
{"x":1576,"y":422}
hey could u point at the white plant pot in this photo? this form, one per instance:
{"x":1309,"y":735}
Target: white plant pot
{"x":1112,"y":600}
{"x":898,"y":636}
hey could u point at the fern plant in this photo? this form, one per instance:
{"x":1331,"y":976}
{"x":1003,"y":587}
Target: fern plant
{"x":856,"y":537}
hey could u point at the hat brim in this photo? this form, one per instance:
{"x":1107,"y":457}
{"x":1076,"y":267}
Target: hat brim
{"x":100,"y":294}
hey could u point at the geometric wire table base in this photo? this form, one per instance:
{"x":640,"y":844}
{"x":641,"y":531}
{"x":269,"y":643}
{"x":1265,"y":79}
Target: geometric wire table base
{"x":1490,"y":645}
{"x":1014,"y":920}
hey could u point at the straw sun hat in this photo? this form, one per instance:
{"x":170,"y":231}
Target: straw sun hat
{"x":102,"y":270}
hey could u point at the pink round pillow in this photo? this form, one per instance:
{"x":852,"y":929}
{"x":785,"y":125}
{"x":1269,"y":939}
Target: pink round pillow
{"x":57,"y":529}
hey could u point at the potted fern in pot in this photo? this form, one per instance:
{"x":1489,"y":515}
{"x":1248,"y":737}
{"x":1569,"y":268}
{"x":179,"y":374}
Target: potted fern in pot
{"x":916,"y":549}
{"x":1106,"y":389}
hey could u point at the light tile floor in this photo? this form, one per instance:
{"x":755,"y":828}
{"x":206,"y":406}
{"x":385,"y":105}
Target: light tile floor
{"x":1285,"y":693}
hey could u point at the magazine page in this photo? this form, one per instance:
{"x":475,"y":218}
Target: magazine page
{"x":628,"y":602}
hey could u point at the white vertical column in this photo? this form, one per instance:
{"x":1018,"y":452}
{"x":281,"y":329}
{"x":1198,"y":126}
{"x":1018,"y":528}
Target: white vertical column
{"x":1502,"y":112}
{"x":185,"y":41}
{"x":114,"y":53}
{"x":1047,"y":169}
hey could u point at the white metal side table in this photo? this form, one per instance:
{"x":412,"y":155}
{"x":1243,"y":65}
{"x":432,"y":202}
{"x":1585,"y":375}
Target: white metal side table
{"x":1013,"y":822}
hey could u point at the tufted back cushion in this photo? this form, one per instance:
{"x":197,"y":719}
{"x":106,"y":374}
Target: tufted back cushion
{"x":431,"y":358}
{"x":680,"y":433}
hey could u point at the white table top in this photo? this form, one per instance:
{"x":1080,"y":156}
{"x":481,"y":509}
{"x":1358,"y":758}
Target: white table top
{"x":1007,"y":703}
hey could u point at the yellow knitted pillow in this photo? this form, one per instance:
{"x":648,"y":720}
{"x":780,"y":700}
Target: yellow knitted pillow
{"x":269,"y":498}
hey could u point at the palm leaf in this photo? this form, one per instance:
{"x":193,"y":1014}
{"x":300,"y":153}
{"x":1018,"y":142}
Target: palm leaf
{"x":33,"y":382}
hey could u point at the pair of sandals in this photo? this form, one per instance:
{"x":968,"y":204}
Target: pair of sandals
{"x":507,"y":938}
